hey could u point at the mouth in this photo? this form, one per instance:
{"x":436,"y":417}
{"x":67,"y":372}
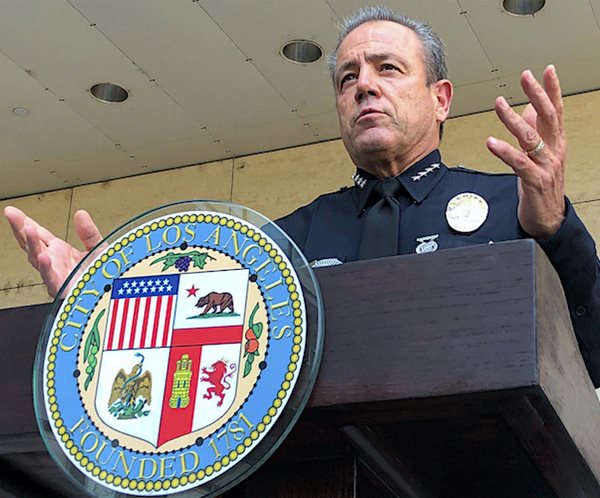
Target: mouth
{"x":368,"y":111}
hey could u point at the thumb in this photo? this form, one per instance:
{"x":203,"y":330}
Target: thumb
{"x":86,"y":229}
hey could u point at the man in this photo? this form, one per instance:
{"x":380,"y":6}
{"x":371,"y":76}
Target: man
{"x":393,"y":97}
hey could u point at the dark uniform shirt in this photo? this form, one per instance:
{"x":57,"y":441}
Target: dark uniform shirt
{"x":330,"y":227}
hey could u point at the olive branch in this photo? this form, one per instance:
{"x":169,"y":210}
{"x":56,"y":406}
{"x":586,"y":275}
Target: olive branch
{"x":90,"y":350}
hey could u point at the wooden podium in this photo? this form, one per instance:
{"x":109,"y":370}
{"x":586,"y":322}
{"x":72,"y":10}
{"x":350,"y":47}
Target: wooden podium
{"x":454,"y":373}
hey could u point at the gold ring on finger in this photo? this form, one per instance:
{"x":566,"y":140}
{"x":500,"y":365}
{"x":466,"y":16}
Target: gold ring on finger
{"x":537,"y":149}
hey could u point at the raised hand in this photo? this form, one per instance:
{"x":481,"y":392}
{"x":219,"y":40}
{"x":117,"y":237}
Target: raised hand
{"x":540,"y":164}
{"x":54,"y":258}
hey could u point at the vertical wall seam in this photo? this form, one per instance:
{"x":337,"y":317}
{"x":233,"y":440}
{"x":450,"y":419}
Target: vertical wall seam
{"x":232,"y":179}
{"x":70,"y":214}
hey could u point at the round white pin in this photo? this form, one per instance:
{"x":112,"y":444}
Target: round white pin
{"x":466,"y":212}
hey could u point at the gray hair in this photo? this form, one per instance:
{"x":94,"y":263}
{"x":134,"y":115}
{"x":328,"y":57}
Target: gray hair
{"x":433,"y":47}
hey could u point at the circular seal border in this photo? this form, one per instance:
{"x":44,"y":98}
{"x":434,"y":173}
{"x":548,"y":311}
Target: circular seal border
{"x":181,"y":483}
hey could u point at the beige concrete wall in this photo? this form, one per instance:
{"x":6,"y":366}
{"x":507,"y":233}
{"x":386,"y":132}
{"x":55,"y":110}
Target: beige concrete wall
{"x":464,"y":143}
{"x":19,"y":283}
{"x":276,"y":183}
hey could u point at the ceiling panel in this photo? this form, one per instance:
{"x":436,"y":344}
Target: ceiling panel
{"x":563,"y":33}
{"x":477,"y":97}
{"x":467,"y":62}
{"x":96,"y":168}
{"x":207,"y":81}
{"x":596,"y":10}
{"x":36,"y":150}
{"x":261,"y":29}
{"x":21,"y":176}
{"x":58,"y":47}
{"x":324,"y":125}
{"x":575,"y":77}
{"x":52,"y":129}
{"x":190,"y":57}
{"x":262,"y":137}
{"x":183,"y":152}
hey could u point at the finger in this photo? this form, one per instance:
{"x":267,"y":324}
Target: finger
{"x":516,"y":159}
{"x":45,"y":235}
{"x":48,"y":274}
{"x":552,"y":87}
{"x":19,"y":221}
{"x":33,"y":245}
{"x":526,"y":135}
{"x":86,"y":229}
{"x":543,"y":105}
{"x":16,"y":220}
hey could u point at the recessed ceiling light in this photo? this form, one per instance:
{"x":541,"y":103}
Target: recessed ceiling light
{"x":109,"y":93}
{"x":21,"y":111}
{"x":523,"y":7}
{"x":302,"y":51}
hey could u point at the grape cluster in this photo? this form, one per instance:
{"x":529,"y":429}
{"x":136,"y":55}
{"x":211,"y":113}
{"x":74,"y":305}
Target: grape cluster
{"x":183,"y":263}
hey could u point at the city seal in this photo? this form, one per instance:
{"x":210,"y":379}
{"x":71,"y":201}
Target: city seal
{"x":173,"y":352}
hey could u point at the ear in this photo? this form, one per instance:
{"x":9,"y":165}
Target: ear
{"x":442,"y":92}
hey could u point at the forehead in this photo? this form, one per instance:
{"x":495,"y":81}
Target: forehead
{"x":380,"y":36}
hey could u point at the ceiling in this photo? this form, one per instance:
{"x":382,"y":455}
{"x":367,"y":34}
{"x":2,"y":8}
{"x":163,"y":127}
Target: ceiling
{"x":207,"y":82}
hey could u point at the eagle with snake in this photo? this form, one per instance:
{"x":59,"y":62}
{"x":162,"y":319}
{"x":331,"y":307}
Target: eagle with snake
{"x":131,"y":392}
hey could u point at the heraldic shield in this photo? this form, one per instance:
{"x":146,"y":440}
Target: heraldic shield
{"x":176,"y":346}
{"x":188,"y":328}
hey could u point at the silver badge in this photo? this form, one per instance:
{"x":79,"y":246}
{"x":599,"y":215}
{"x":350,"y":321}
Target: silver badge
{"x":427,"y":244}
{"x":466,"y":212}
{"x":321,"y":263}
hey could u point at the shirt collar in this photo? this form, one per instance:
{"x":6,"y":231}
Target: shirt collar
{"x":418,"y":180}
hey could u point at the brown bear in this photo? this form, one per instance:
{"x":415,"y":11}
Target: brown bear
{"x":216,"y":302}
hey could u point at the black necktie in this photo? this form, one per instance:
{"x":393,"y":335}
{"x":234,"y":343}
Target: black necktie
{"x":380,"y":226}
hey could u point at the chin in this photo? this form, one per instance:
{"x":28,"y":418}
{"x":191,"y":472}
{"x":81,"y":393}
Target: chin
{"x":372,"y":143}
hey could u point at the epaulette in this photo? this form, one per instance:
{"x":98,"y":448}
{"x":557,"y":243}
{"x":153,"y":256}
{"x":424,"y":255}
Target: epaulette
{"x":459,"y":168}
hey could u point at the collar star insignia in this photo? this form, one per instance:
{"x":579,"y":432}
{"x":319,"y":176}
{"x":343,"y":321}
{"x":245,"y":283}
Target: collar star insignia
{"x":425,"y":172}
{"x":359,"y":180}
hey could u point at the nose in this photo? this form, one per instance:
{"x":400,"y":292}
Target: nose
{"x":366,"y":85}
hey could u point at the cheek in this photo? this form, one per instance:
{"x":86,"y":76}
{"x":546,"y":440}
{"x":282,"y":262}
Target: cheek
{"x":345,"y":121}
{"x":342,"y":110}
{"x":421,"y":105}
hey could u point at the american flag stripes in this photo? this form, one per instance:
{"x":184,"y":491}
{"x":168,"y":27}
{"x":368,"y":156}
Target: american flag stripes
{"x":141,"y":312}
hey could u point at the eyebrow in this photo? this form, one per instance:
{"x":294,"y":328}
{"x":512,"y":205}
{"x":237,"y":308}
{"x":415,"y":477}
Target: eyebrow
{"x":376,"y":57}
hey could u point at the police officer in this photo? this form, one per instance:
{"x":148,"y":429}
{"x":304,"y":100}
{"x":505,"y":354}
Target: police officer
{"x":392,"y":98}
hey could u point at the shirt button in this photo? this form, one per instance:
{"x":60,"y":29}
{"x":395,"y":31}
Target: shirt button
{"x":580,"y":310}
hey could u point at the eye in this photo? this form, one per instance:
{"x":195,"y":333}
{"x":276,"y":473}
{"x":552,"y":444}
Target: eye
{"x":388,"y":67}
{"x":347,"y":77}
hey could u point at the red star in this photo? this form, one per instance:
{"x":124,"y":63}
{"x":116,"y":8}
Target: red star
{"x":192,"y":291}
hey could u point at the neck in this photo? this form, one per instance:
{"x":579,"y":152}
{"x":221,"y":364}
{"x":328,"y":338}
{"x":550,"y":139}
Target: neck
{"x":384,"y":167}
